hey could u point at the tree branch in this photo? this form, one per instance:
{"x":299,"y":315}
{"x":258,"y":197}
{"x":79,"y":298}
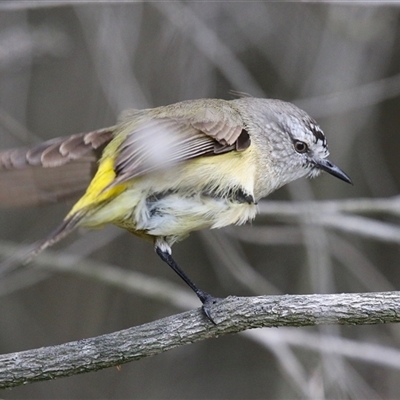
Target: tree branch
{"x":335,"y":214}
{"x":232,"y":315}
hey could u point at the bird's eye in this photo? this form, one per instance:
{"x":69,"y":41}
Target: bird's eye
{"x":300,"y":146}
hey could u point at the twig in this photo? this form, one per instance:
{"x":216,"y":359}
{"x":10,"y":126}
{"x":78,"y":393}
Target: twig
{"x":209,"y":45}
{"x":352,"y":349}
{"x":336,"y":215}
{"x":157,"y":288}
{"x":390,"y":205}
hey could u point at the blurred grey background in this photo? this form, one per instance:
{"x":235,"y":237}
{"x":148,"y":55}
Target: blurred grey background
{"x":67,"y":68}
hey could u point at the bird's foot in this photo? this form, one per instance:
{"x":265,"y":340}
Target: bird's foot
{"x":208,"y":303}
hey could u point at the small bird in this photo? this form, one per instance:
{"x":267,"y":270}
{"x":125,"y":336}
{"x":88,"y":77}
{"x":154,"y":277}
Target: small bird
{"x":164,"y":172}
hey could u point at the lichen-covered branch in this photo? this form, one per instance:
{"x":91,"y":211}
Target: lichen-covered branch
{"x":232,"y":315}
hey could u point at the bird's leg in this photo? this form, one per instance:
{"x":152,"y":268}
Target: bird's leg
{"x":207,"y":300}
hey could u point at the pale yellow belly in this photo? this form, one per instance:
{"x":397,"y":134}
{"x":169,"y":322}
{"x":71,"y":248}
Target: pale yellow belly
{"x":186,"y":203}
{"x":175,"y":215}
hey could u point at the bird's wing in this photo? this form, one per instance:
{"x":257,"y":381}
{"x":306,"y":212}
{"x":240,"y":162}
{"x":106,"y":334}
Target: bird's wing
{"x":156,"y":139}
{"x":159,"y":142}
{"x":57,"y":169}
{"x":58,"y":151}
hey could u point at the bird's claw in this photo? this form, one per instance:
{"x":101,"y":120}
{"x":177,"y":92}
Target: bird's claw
{"x":208,"y":303}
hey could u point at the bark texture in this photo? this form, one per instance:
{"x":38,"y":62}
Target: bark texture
{"x":232,"y":315}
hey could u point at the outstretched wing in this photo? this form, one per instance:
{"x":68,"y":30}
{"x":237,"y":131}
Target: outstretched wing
{"x":167,"y":136}
{"x":152,"y":139}
{"x":58,"y":151}
{"x":54,"y":170}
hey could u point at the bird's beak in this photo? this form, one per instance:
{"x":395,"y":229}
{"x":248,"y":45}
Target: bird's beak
{"x":332,"y":169}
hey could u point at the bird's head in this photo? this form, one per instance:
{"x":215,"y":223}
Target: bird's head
{"x":297,"y":144}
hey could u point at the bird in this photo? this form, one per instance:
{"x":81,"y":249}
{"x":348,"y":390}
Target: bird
{"x":161,"y":173}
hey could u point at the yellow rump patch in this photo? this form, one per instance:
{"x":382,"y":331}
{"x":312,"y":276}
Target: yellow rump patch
{"x":96,"y":192}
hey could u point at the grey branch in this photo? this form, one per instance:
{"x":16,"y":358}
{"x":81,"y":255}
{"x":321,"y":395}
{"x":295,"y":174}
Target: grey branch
{"x":232,"y":315}
{"x":337,"y":215}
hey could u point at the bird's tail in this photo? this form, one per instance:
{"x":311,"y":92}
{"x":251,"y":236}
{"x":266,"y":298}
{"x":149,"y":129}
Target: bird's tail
{"x":22,"y":258}
{"x":64,"y":229}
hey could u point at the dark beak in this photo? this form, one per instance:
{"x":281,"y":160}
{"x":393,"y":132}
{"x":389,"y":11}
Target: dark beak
{"x":332,"y":169}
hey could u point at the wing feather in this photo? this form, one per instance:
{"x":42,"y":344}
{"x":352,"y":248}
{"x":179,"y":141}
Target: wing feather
{"x":153,"y":139}
{"x":70,"y":164}
{"x":58,"y":151}
{"x":168,"y":136}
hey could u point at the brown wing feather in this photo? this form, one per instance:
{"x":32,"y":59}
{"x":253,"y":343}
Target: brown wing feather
{"x":69,"y":165}
{"x":38,"y":186}
{"x":170,"y":135}
{"x":157,"y":138}
{"x":58,"y":151}
{"x":159,"y":143}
